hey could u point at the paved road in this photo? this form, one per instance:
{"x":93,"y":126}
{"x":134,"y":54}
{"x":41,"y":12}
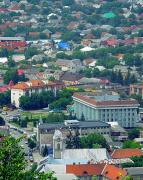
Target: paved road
{"x":23,"y":143}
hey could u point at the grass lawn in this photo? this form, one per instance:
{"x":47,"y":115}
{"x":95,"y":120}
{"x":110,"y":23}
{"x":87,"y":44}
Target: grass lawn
{"x":34,"y":115}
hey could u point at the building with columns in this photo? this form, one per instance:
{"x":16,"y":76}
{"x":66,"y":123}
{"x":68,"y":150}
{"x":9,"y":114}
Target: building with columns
{"x":33,"y":86}
{"x":106,"y":107}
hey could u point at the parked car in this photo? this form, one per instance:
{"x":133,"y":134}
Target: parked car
{"x":4,"y":113}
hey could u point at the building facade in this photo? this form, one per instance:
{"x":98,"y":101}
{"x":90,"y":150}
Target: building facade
{"x":106,"y":107}
{"x":136,"y":89}
{"x":33,"y":86}
{"x":45,"y":132}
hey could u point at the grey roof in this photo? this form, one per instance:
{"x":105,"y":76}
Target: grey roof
{"x":82,"y":124}
{"x":135,"y":170}
{"x":70,"y":156}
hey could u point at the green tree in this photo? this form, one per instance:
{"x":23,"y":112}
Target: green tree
{"x":30,"y":52}
{"x":3,"y":53}
{"x":93,"y":138}
{"x":42,"y":36}
{"x":44,"y":151}
{"x":23,"y":123}
{"x":131,"y":144}
{"x":11,"y":63}
{"x":11,"y":74}
{"x":13,"y":163}
{"x":68,"y":2}
{"x":82,"y":117}
{"x":134,"y":133}
{"x":31,"y":143}
{"x":2,"y":122}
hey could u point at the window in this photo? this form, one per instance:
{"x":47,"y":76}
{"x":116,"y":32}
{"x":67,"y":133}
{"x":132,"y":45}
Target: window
{"x":58,"y":146}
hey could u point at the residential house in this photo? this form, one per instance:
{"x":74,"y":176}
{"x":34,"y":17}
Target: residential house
{"x":33,"y":86}
{"x":18,"y":57}
{"x":101,"y":171}
{"x":117,"y":132}
{"x":3,"y":60}
{"x":72,"y":66}
{"x":70,"y":78}
{"x":126,"y":153}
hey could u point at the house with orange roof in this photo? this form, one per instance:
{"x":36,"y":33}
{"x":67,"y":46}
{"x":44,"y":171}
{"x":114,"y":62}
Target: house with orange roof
{"x":126,"y":153}
{"x":101,"y":171}
{"x":33,"y":86}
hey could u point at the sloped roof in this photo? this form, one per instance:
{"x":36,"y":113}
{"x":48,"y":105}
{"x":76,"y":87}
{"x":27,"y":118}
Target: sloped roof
{"x":112,"y":172}
{"x":22,"y":86}
{"x":78,"y":155}
{"x":126,"y":153}
{"x":81,"y":169}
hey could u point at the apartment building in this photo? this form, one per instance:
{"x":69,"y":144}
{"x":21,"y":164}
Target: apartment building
{"x":33,"y":86}
{"x":106,"y":107}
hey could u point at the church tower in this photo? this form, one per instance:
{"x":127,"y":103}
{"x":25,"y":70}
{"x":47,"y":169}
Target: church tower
{"x":57,"y":144}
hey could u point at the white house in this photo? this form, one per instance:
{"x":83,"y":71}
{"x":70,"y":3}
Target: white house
{"x":33,"y":86}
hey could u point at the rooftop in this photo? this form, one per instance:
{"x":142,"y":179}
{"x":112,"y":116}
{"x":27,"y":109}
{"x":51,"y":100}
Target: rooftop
{"x":114,"y":101}
{"x":82,"y":124}
{"x":126,"y":153}
{"x":35,"y":84}
{"x":11,"y":38}
{"x":80,"y":169}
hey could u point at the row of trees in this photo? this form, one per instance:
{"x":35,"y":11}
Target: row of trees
{"x":93,"y":140}
{"x":50,"y":118}
{"x":12,"y":75}
{"x":5,"y":98}
{"x":115,"y":77}
{"x":137,"y":162}
{"x":37,"y":100}
{"x":43,"y":99}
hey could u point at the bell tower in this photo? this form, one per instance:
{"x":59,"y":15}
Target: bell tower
{"x":57,"y":144}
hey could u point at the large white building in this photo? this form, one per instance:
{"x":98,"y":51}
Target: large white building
{"x":106,"y":107}
{"x":33,"y":86}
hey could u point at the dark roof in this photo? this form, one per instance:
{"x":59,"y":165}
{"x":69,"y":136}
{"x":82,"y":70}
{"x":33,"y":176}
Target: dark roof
{"x":82,"y":124}
{"x":68,"y":76}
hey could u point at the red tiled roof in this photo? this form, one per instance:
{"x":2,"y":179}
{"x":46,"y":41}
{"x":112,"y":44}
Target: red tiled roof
{"x":104,"y":103}
{"x":12,"y":44}
{"x":81,"y":169}
{"x":126,"y":153}
{"x":109,"y":171}
{"x":22,"y":86}
{"x":136,"y":86}
{"x":37,"y":83}
{"x":112,"y":42}
{"x":114,"y":173}
{"x":3,"y":9}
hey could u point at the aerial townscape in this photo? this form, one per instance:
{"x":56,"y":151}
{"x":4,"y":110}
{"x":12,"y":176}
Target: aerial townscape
{"x":71,"y":89}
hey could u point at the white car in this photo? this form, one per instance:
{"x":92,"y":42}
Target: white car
{"x":4,"y":113}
